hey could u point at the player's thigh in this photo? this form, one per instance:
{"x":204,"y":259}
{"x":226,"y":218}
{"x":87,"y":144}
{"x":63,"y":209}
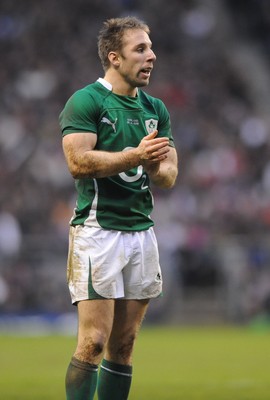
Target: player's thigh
{"x":129,"y":313}
{"x":128,"y":317}
{"x":95,"y":317}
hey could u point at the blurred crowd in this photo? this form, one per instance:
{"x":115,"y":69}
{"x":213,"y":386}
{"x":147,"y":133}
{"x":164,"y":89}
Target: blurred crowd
{"x":48,"y":50}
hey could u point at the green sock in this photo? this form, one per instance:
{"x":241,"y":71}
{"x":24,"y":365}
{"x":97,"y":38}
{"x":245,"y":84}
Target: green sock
{"x":114,"y":381}
{"x":81,"y":380}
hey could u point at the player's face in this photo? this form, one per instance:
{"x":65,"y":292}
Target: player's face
{"x":136,"y":58}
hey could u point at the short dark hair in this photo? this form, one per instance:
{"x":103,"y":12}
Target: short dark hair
{"x":111,"y":34}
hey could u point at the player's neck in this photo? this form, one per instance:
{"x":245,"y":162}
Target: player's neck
{"x":119,"y":86}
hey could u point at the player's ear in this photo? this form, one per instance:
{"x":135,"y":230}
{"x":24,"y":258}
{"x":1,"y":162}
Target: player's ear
{"x":114,"y":58}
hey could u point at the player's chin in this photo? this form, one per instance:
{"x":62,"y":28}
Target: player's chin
{"x":142,"y":82}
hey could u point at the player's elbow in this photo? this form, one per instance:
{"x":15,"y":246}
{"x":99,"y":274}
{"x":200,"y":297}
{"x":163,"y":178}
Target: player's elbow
{"x":79,"y":171}
{"x":75,"y":174}
{"x":74,"y":171}
{"x":168,"y":180}
{"x":168,"y":183}
{"x":164,"y":182}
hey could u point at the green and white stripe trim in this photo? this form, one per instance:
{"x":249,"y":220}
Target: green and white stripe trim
{"x":115,"y":372}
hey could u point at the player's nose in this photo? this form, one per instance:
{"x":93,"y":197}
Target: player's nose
{"x":151,"y":56}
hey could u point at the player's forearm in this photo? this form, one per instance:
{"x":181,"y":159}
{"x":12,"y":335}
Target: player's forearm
{"x":84,"y":161}
{"x":164,"y":173}
{"x":165,"y":176}
{"x":100,"y":164}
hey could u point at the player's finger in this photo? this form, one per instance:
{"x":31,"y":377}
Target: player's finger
{"x":152,"y":135}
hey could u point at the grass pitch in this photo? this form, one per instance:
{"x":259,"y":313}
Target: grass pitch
{"x":169,"y":364}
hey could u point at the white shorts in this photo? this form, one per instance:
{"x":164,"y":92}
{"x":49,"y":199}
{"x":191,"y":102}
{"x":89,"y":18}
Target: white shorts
{"x":112,"y":264}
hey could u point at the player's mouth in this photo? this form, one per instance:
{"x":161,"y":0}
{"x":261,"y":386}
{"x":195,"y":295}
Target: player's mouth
{"x":146,"y":72}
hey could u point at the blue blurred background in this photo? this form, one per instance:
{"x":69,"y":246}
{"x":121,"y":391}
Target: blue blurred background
{"x":213,"y":73}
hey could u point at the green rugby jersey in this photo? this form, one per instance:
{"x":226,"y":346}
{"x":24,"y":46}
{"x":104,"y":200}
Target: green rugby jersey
{"x":122,"y":202}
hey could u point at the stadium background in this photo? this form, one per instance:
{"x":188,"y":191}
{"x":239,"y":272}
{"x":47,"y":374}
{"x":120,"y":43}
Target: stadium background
{"x":212,"y":72}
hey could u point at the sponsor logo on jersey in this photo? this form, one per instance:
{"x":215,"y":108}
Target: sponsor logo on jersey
{"x":151,"y":125}
{"x":107,"y":121}
{"x":131,"y":121}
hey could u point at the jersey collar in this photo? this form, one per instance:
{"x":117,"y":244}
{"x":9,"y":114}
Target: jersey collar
{"x":108,"y":85}
{"x":105,"y":83}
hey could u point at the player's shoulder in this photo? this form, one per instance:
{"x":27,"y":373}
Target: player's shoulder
{"x":86,"y":99}
{"x":93,"y":90}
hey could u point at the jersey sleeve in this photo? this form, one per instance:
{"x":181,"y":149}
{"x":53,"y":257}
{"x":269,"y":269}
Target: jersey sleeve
{"x":79,"y":114}
{"x":164,"y":123}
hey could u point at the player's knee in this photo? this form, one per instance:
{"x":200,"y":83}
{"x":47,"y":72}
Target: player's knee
{"x":97,"y":346}
{"x":92,"y":346}
{"x":123,"y":350}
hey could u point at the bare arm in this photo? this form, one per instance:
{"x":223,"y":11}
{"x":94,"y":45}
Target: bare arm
{"x":163,"y":173}
{"x":84,"y":161}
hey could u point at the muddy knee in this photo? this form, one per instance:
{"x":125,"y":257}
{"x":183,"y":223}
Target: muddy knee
{"x":90,"y":348}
